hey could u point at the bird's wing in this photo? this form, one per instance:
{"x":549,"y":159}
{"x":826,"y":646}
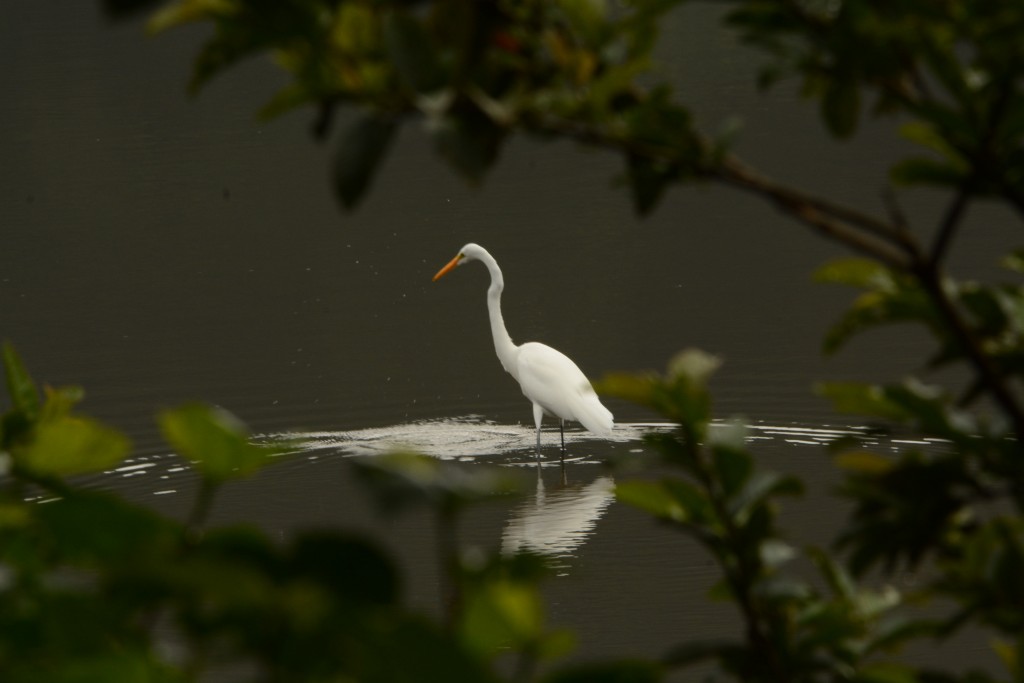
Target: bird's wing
{"x":550,"y":379}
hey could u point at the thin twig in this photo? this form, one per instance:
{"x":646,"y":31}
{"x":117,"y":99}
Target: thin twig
{"x":950,"y":223}
{"x":201,"y":507}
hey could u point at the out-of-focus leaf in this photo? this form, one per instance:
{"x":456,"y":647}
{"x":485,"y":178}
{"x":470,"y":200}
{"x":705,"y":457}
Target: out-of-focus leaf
{"x":413,"y":52}
{"x":894,"y":631}
{"x":622,"y":671}
{"x":60,"y":401}
{"x":353,"y":567}
{"x":855,"y":272}
{"x":886,"y":672}
{"x":671,"y":499}
{"x":284,"y":100}
{"x":20,"y":387}
{"x":863,"y":462}
{"x":415,"y":650}
{"x":401,"y":480}
{"x":1010,"y":655}
{"x":648,"y":179}
{"x":587,"y":18}
{"x":782,"y":589}
{"x":924,"y":171}
{"x":733,"y":467}
{"x":362,"y":149}
{"x":214,"y":440}
{"x":840,"y":106}
{"x":67,"y":446}
{"x":1014,"y":261}
{"x":118,"y":666}
{"x":469,"y":140}
{"x":861,"y":399}
{"x":890,"y":298}
{"x":187,"y":11}
{"x":501,"y":614}
{"x":775,"y":552}
{"x":697,"y":651}
{"x":760,"y":487}
{"x":633,"y":387}
{"x":100,"y":529}
{"x":694,"y":364}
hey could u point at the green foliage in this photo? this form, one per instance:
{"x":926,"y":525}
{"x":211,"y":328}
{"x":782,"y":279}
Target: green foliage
{"x":363,"y":148}
{"x":95,"y":588}
{"x":994,"y":314}
{"x":794,"y":631}
{"x":575,"y":68}
{"x":214,"y":440}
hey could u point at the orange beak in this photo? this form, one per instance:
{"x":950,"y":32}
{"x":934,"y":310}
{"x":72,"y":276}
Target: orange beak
{"x":451,"y":265}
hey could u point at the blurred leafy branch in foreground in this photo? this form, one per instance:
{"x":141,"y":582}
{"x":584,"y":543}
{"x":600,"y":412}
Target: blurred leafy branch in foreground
{"x":92,"y":588}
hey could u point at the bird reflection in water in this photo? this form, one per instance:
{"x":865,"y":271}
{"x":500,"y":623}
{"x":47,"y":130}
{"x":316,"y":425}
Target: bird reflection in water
{"x":556,"y":523}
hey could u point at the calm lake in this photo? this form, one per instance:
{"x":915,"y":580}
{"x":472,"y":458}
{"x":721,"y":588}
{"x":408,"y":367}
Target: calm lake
{"x":159,"y":249}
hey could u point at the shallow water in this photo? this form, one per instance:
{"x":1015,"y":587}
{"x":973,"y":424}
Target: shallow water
{"x":626,"y":584}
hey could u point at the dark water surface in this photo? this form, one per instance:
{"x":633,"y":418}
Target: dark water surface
{"x":157,"y":250}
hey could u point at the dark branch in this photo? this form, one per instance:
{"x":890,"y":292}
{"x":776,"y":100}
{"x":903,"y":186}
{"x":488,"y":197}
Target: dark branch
{"x":948,"y":228}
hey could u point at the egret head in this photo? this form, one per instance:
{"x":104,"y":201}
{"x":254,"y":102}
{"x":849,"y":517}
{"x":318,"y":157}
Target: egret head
{"x":470,"y":252}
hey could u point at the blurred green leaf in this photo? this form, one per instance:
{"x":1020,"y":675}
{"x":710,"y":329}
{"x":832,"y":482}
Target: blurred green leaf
{"x":760,"y":487}
{"x":621,"y":671}
{"x":187,"y":11}
{"x":863,"y":462}
{"x":841,"y":106}
{"x":401,"y":480}
{"x":100,"y":529}
{"x":861,"y":399}
{"x":67,"y":446}
{"x":214,"y":440}
{"x":1014,"y":261}
{"x":671,"y":499}
{"x":362,"y":149}
{"x":886,"y":672}
{"x":633,"y":387}
{"x":60,"y":401}
{"x":502,"y":614}
{"x":648,"y":179}
{"x":587,"y":18}
{"x":20,"y":387}
{"x":352,"y":567}
{"x":136,"y":666}
{"x":855,"y":272}
{"x":925,"y":171}
{"x":697,"y":651}
{"x":413,"y":52}
{"x":469,"y":140}
{"x":733,"y":467}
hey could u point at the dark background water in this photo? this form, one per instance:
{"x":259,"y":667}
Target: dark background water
{"x":158,"y":249}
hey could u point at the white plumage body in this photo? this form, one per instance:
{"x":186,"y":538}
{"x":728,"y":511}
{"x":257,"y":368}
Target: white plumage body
{"x":550,"y":379}
{"x":554,"y":383}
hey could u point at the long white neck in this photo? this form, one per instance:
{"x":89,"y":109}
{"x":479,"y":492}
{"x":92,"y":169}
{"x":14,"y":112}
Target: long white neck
{"x":503,"y":345}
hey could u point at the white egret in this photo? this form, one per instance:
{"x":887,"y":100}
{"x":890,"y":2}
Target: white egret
{"x":553,"y":383}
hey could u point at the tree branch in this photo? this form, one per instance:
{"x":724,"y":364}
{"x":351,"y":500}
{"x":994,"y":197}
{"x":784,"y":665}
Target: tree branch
{"x":880,"y":240}
{"x":950,"y":223}
{"x":931,"y":279}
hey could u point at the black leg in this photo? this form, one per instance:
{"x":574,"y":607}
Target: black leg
{"x":561,"y":431}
